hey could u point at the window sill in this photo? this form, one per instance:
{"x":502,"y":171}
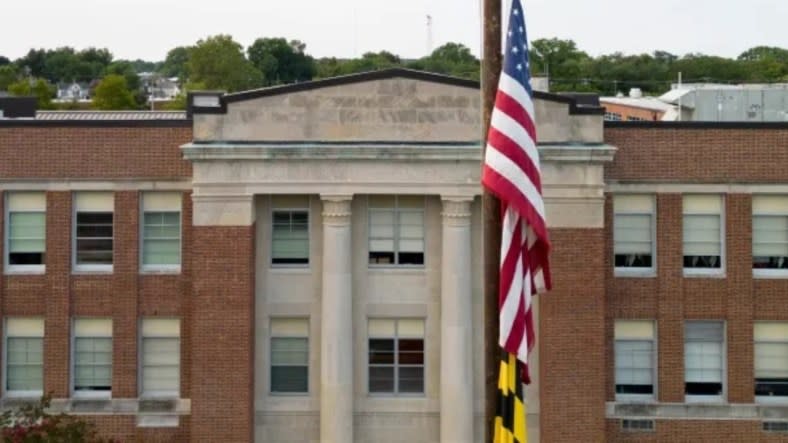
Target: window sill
{"x":635,"y":398}
{"x":400,"y":269}
{"x":696,"y":411}
{"x":174,"y":270}
{"x":771,"y":400}
{"x":91,"y":395}
{"x":704,"y":273}
{"x":92,"y":269}
{"x":23,"y":395}
{"x":25,"y":270}
{"x":704,"y":399}
{"x":635,"y":272}
{"x":290,"y":269}
{"x":770,"y":273}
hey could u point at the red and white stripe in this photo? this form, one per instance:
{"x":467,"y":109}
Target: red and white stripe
{"x":511,"y":172}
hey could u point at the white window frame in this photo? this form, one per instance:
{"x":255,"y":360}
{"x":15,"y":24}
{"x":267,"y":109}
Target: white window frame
{"x":158,"y":269}
{"x":292,"y":209}
{"x":396,"y":365}
{"x":768,"y":399}
{"x":32,"y":394}
{"x":715,"y":399}
{"x":707,"y":272}
{"x":396,"y":239}
{"x":271,"y":337}
{"x":632,"y":271}
{"x":19,"y":269}
{"x":99,"y":395}
{"x":89,"y":268}
{"x":140,"y":364}
{"x":760,"y":272}
{"x":654,"y":373}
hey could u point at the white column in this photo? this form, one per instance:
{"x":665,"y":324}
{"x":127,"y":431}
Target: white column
{"x":336,"y":341}
{"x":456,"y":366}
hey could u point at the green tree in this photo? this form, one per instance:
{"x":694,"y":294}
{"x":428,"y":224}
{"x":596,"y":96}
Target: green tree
{"x":34,"y":87}
{"x":4,"y":60}
{"x":451,"y":59}
{"x":33,"y":62}
{"x":8,"y":75}
{"x":112,"y":92}
{"x":126,"y":69}
{"x":219,"y":63}
{"x":281,"y":61}
{"x":31,"y":423}
{"x":175,"y":63}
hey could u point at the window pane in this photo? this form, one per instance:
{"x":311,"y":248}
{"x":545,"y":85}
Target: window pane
{"x":24,"y":364}
{"x":92,"y":363}
{"x":771,"y":360}
{"x":289,"y":351}
{"x":160,"y":351}
{"x":381,"y":379}
{"x":632,"y":233}
{"x":290,"y":237}
{"x":289,"y":379}
{"x":411,"y":379}
{"x":161,"y":378}
{"x":381,"y":351}
{"x":411,"y":352}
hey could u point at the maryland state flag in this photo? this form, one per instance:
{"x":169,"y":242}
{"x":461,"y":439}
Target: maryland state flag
{"x":510,"y":413}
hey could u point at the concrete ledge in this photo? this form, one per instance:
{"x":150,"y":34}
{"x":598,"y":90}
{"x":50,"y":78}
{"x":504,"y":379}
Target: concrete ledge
{"x":691,"y":411}
{"x":115,"y":406}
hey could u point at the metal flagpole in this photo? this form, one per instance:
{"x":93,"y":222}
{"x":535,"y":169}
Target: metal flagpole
{"x":491,"y":211}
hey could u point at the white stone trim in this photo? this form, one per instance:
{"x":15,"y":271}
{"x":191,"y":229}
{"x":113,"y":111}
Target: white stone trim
{"x":96,"y":185}
{"x":696,"y":411}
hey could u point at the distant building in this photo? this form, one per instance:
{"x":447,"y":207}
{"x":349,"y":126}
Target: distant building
{"x":74,"y":91}
{"x":158,"y":87}
{"x":636,"y":107}
{"x":744,"y":103}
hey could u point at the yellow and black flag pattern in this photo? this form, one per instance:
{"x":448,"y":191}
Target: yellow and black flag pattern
{"x":510,"y":413}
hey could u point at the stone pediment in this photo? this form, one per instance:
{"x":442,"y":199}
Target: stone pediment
{"x":389,"y":106}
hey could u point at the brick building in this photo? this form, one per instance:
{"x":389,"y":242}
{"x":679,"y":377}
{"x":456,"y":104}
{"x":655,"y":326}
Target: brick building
{"x":302,"y":263}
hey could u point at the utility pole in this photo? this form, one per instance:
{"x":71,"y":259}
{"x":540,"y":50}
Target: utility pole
{"x":491,"y":211}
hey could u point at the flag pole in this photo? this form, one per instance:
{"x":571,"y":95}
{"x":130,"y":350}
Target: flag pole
{"x":491,"y":213}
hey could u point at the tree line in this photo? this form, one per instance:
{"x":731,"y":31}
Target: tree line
{"x":219,"y":62}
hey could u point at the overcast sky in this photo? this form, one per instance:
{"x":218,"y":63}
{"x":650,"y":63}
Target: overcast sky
{"x":147,"y":29}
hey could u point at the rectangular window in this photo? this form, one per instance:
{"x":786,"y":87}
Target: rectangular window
{"x":613,"y":116}
{"x":704,"y":359}
{"x":161,"y":231}
{"x":26,"y":231}
{"x":396,"y":356}
{"x":635,"y":353}
{"x":770,"y":234}
{"x":24,"y":356}
{"x":771,"y":361}
{"x":92,"y":357}
{"x":93,"y":231}
{"x":702,"y":232}
{"x":160,"y":360}
{"x":289,"y":355}
{"x":396,"y":230}
{"x":290,"y":237}
{"x":633,"y":232}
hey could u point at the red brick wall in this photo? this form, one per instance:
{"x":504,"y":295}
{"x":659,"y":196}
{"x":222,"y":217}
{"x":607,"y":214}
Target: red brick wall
{"x":695,"y":431}
{"x":223,"y":334}
{"x":632,"y":111}
{"x":671,"y":155}
{"x":93,"y":152}
{"x":572,"y":345}
{"x":692,"y":155}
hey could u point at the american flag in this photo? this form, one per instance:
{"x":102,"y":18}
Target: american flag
{"x":511,"y":172}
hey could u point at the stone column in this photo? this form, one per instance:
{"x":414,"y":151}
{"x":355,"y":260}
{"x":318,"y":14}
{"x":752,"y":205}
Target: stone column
{"x":456,"y":388}
{"x":336,"y":338}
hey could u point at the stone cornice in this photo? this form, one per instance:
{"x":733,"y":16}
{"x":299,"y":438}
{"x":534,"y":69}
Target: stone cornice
{"x":381,"y":151}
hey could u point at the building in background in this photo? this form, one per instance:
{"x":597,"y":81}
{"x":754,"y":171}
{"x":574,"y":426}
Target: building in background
{"x":637,"y":107}
{"x":720,"y":103}
{"x":304,"y":260}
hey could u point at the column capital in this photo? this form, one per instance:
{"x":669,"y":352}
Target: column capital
{"x":336,"y":208}
{"x":456,"y":209}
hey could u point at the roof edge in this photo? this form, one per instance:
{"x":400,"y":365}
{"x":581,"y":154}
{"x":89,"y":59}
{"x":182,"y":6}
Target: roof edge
{"x":22,"y":123}
{"x":696,"y":125}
